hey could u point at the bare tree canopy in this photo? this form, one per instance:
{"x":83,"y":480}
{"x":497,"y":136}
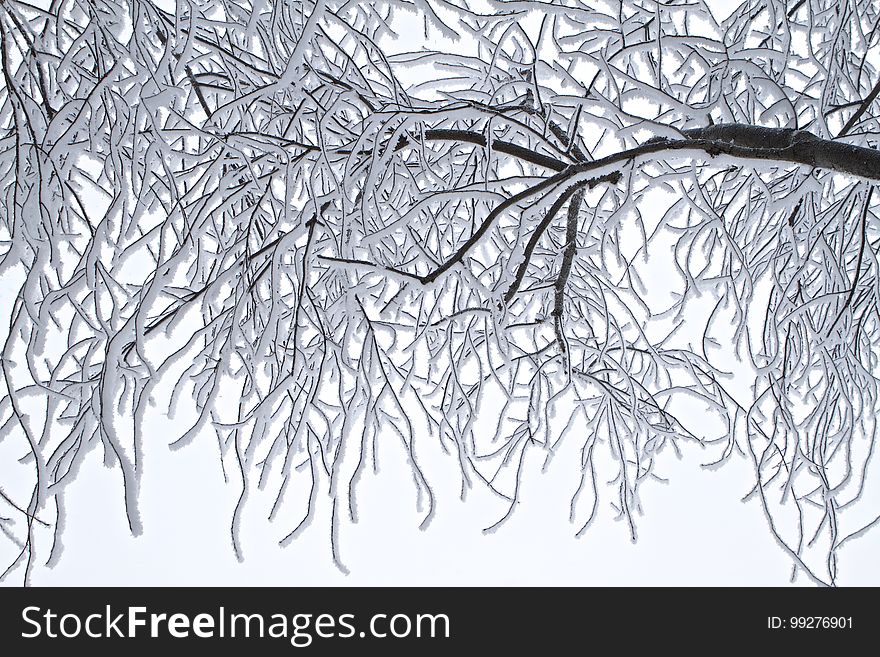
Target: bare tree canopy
{"x":316,"y":230}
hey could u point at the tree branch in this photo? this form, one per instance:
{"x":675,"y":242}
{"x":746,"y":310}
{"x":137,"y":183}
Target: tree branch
{"x":860,"y":257}
{"x":759,"y":143}
{"x":498,"y":145}
{"x":458,"y":256}
{"x":734,"y":139}
{"x":535,"y":238}
{"x":571,"y":231}
{"x":861,"y":110}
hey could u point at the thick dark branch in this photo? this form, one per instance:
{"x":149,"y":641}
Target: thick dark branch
{"x":793,"y":10}
{"x":373,"y":265}
{"x":473,"y":239}
{"x":869,"y":99}
{"x":458,"y":256}
{"x":498,"y":145}
{"x":478,"y":138}
{"x":535,"y":238}
{"x":736,"y":140}
{"x":612,"y":178}
{"x":568,"y":256}
{"x":758,"y":143}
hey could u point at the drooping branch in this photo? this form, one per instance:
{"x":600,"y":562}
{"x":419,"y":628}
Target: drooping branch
{"x":536,"y":237}
{"x":784,"y":145}
{"x":736,"y":140}
{"x":863,"y":106}
{"x":483,"y":228}
{"x":499,"y":145}
{"x":568,"y":256}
